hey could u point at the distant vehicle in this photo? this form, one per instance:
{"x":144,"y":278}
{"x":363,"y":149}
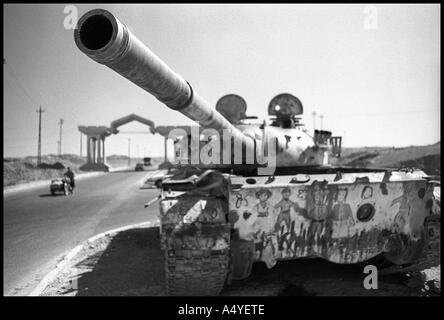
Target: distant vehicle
{"x":146,"y":161}
{"x":139,"y":167}
{"x":60,"y":185}
{"x":155,"y":180}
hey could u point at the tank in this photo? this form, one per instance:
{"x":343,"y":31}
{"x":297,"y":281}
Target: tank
{"x":262,"y":191}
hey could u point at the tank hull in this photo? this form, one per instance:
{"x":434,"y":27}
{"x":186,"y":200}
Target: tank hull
{"x":347,"y":220}
{"x":344,"y":218}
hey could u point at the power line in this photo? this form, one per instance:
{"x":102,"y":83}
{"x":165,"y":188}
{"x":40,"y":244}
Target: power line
{"x":26,"y":93}
{"x":20,"y":94}
{"x":19,"y":83}
{"x":33,"y":101}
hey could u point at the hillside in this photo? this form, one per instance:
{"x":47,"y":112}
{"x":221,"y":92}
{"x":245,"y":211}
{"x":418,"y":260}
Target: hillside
{"x":427,"y":158}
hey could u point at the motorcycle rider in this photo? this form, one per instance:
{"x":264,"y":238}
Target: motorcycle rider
{"x":70,"y":175}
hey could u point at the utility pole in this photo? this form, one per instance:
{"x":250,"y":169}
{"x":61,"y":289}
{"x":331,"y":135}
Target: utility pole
{"x":322,"y":117}
{"x":80,"y":144}
{"x":129,"y":157}
{"x":39,"y":147}
{"x":60,"y":141}
{"x":314,"y":120}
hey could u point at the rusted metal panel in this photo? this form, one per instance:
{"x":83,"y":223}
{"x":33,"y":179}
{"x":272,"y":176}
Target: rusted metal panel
{"x":344,"y":221}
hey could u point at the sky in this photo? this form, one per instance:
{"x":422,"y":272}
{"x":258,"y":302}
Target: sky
{"x":372,"y":72}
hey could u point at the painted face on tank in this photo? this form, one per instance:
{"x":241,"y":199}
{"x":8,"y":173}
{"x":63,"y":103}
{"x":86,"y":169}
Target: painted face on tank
{"x":263,"y":197}
{"x":286,"y":194}
{"x":342,"y":195}
{"x":317,"y":194}
{"x":367,"y":192}
{"x":408,"y":188}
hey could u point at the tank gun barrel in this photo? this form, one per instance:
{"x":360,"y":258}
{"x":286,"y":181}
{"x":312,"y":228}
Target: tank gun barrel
{"x":106,"y":40}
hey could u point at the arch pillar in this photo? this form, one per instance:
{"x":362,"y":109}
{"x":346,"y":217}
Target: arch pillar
{"x":99,"y":147}
{"x":103,"y":151}
{"x":95,"y":159}
{"x":88,"y":149}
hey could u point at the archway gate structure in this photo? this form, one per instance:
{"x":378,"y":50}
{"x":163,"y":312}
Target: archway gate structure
{"x":95,"y":140}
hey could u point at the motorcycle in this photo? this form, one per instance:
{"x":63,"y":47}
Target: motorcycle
{"x":61,"y":185}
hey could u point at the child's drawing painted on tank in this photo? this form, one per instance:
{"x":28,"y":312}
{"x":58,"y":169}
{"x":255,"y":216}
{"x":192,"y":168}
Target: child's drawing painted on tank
{"x":270,"y":252}
{"x":302,"y":194}
{"x":318,"y":201}
{"x":262,"y":209}
{"x":341,"y":210}
{"x":283,"y":208}
{"x":367,"y":193}
{"x":404,"y":205}
{"x":259,"y":246}
{"x":341,"y":217}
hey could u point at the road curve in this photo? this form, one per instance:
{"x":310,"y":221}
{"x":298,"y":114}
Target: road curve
{"x":38,"y":228}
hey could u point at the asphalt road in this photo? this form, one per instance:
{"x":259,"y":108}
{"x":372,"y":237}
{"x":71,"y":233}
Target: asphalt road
{"x":38,"y":228}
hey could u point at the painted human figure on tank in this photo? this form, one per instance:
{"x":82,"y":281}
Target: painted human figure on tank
{"x":404,"y":205}
{"x":341,"y":210}
{"x":283,"y":207}
{"x":261,"y":224}
{"x":341,"y":216}
{"x":317,"y":209}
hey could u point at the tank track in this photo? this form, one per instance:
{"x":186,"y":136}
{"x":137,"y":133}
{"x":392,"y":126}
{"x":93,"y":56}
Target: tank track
{"x":431,"y":255}
{"x":196,"y":272}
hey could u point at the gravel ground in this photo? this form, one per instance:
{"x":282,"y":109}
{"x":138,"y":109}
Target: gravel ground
{"x":130,"y":263}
